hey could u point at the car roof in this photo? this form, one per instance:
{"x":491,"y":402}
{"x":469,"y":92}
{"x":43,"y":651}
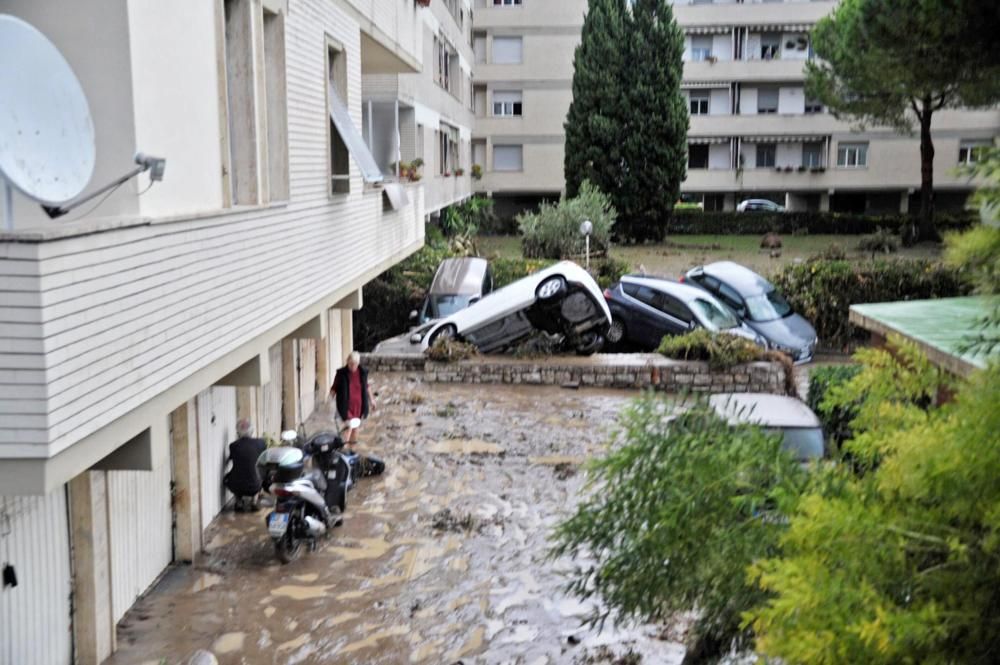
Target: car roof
{"x":763,"y":409}
{"x":683,"y":292}
{"x":745,"y":281}
{"x":462,"y":275}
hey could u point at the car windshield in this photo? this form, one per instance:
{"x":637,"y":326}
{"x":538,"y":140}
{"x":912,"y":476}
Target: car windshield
{"x":446,"y":305}
{"x":767,"y":306}
{"x":803,"y":443}
{"x":713,"y":316}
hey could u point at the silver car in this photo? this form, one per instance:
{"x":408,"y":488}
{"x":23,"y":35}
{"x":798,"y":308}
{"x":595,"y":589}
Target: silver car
{"x":458,"y":283}
{"x":801,"y":430}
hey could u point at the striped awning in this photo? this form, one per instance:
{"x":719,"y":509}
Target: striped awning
{"x":780,"y":27}
{"x":784,"y":138}
{"x":707,"y":29}
{"x":707,"y":140}
{"x":688,"y":85}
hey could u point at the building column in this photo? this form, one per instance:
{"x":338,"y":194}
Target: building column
{"x":187,"y":482}
{"x":93,"y":625}
{"x":904,"y":202}
{"x":346,"y":331}
{"x":289,"y":384}
{"x":824,"y":202}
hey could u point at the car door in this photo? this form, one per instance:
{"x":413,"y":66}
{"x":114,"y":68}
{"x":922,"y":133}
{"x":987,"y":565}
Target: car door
{"x":643,"y":324}
{"x":677,"y":317}
{"x":731,"y":299}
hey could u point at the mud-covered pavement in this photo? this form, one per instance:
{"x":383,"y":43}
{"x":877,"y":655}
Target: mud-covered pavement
{"x":441,"y":560}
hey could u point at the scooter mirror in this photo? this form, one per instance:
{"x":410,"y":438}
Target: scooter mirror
{"x":289,"y":436}
{"x":354,"y":423}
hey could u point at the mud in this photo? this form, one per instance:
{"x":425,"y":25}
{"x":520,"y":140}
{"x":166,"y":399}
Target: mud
{"x":441,"y":560}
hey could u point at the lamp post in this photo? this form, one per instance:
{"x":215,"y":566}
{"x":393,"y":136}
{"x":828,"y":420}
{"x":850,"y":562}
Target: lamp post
{"x":585,"y":229}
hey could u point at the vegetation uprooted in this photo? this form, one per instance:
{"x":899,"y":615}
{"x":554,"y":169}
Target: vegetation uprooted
{"x":553,"y":232}
{"x":626,"y":130}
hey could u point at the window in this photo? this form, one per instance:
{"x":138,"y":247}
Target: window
{"x":508,"y":158}
{"x":277,"y":106}
{"x":507,"y":50}
{"x":700,"y":102}
{"x":675,"y":308}
{"x":812,"y":155}
{"x":852,"y":155}
{"x":767,"y":100}
{"x":507,"y":103}
{"x":506,"y":3}
{"x":701,"y":48}
{"x":345,"y":140}
{"x":766,"y":153}
{"x":697,"y":156}
{"x":479,"y":47}
{"x":770,"y":46}
{"x":813,"y":106}
{"x":444,"y":64}
{"x":730,"y":298}
{"x":970,"y":152}
{"x":242,"y":171}
{"x":447,"y":150}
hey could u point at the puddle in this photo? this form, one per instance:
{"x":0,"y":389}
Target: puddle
{"x":294,"y":644}
{"x":311,"y":577}
{"x":368,"y":548}
{"x":228,"y":643}
{"x":341,"y":618}
{"x":474,"y":643}
{"x":465,"y":447}
{"x":300,"y":592}
{"x":206,"y":581}
{"x":374,"y":638}
{"x":269,"y":611}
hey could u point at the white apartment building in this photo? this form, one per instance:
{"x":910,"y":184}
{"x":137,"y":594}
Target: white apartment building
{"x":134,"y":334}
{"x":753,"y":132}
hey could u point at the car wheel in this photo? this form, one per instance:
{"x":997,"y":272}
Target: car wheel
{"x":550,"y":288}
{"x":589,"y":344}
{"x":616,"y":333}
{"x":447,"y":332}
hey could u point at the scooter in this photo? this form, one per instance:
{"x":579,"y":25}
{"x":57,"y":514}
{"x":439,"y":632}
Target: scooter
{"x":308,"y":504}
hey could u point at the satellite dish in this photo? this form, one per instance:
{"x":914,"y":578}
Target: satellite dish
{"x":46,"y":133}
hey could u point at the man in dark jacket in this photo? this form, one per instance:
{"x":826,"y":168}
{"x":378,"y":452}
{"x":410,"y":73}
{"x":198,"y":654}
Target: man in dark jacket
{"x":350,"y":391}
{"x":243,"y":479}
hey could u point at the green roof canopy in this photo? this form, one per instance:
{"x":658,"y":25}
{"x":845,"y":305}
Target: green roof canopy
{"x":941,"y":327}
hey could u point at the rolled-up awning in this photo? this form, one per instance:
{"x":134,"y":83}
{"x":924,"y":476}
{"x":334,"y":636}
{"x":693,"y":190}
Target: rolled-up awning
{"x":703,"y":140}
{"x":396,"y":195}
{"x":784,"y":138}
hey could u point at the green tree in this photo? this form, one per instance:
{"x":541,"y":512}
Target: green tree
{"x":626,"y":131}
{"x":594,"y":122}
{"x":678,"y":509}
{"x":900,"y":564}
{"x":893,"y":62}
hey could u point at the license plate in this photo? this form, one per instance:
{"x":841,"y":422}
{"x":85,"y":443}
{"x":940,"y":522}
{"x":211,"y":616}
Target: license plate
{"x":277,"y":524}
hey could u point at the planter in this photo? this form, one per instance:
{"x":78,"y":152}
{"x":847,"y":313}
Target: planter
{"x":424,"y":3}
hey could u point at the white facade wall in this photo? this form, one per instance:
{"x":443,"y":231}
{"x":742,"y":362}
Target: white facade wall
{"x":722,"y":46}
{"x":788,"y":154}
{"x":719,"y":102}
{"x":791,"y":100}
{"x":748,"y":101}
{"x":35,"y":615}
{"x":719,"y":156}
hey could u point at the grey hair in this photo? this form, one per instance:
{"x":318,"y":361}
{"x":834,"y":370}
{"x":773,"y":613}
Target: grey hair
{"x":244,"y":427}
{"x":355,"y":356}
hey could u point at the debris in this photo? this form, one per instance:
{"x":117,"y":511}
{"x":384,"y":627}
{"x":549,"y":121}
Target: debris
{"x":564,"y":470}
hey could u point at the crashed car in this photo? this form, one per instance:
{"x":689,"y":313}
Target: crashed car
{"x":562,"y":300}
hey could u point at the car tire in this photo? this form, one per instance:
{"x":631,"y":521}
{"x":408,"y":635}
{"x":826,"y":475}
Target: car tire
{"x":589,"y":344}
{"x":616,"y":332}
{"x":447,"y":331}
{"x":550,"y":288}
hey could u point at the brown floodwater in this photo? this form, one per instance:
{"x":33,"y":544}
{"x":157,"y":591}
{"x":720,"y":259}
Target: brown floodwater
{"x":441,"y":560}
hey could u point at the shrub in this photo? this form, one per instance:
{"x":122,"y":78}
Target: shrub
{"x":554,"y":231}
{"x":470,"y":217}
{"x":881,"y":242}
{"x":823,"y":291}
{"x":759,"y":223}
{"x":720,"y":350}
{"x":832,"y":252}
{"x":506,"y":270}
{"x":836,"y":419}
{"x":445,"y":350}
{"x":675,"y":519}
{"x":609,"y":270}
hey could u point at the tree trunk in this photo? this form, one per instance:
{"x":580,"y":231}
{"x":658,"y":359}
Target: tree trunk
{"x":926,"y":230}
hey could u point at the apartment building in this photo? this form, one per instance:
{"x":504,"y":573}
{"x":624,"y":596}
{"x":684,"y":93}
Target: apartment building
{"x":753,"y":134}
{"x":426,"y":117}
{"x":136,"y":331}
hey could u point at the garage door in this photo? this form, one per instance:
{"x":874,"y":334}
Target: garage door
{"x":35,"y":615}
{"x":216,"y":430}
{"x":271,"y":397}
{"x":307,"y":377}
{"x":141,"y":532}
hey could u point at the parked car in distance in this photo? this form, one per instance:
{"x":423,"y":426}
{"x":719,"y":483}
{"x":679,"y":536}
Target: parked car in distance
{"x":801,"y":430}
{"x":560,"y":300}
{"x":644,"y":309}
{"x":759,"y":305}
{"x":759,"y":205}
{"x":458,"y":283}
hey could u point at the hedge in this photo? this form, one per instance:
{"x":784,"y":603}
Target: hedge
{"x":836,"y":420}
{"x":823,"y":291}
{"x":833,"y":223}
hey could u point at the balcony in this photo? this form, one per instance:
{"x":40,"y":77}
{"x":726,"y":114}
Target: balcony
{"x":751,"y":13}
{"x":547,"y":13}
{"x":769,"y":124}
{"x":745,"y":70}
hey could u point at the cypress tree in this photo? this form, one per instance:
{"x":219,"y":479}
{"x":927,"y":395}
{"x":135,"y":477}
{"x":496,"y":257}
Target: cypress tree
{"x":654,"y":133}
{"x":593,"y":125}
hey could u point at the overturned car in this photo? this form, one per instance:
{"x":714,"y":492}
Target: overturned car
{"x":562,"y":300}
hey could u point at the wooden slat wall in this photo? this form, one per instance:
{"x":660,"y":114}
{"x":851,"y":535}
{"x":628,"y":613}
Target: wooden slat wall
{"x":126,"y":314}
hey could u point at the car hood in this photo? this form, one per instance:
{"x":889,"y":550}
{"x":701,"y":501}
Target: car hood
{"x":744,"y":331}
{"x":398,"y":344}
{"x":793,"y":331}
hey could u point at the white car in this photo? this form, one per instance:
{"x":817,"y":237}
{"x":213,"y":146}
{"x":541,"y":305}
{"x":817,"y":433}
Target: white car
{"x":560,"y":300}
{"x":759,"y":205}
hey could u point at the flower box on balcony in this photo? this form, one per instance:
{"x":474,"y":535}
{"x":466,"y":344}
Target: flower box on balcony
{"x":817,"y":169}
{"x":424,"y":3}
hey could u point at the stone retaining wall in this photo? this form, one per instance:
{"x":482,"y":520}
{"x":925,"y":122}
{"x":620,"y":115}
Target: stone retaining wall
{"x":602,"y":370}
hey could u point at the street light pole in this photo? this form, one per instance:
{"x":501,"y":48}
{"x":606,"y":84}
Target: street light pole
{"x":585,"y":230}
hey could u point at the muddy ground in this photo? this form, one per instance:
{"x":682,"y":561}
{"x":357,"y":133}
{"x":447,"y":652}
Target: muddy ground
{"x":441,"y":560}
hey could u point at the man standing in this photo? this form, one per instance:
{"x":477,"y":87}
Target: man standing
{"x":350,"y":390}
{"x":243,"y":479}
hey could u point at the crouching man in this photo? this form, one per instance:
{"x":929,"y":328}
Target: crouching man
{"x":243,"y":479}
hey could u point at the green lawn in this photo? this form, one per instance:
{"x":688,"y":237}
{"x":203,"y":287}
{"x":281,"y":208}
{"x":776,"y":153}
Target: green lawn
{"x":678,"y":255}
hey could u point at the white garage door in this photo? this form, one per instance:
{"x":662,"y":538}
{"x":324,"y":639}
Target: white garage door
{"x":307,"y":377}
{"x":216,"y":430}
{"x":271,"y":398}
{"x":35,"y":615}
{"x":141,"y":525}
